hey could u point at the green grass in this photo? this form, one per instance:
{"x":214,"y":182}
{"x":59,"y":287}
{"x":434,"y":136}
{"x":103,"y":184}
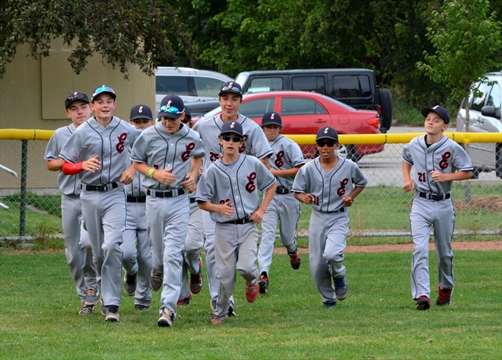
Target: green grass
{"x":38,"y":316}
{"x":405,"y":114}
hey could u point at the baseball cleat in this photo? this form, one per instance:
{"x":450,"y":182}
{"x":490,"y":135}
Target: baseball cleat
{"x":231,"y":310}
{"x":166,"y":318}
{"x":102,"y":307}
{"x":263,"y":283}
{"x":141,"y":307}
{"x":185,"y":301}
{"x":130,"y":284}
{"x":112,"y":313}
{"x":216,"y":321}
{"x":156,"y":280}
{"x":341,"y":288}
{"x":444,"y":296}
{"x":196,"y":280}
{"x":295,"y":260}
{"x":252,"y":290}
{"x":91,"y":295}
{"x":423,"y":303}
{"x":86,"y":309}
{"x":329,"y":304}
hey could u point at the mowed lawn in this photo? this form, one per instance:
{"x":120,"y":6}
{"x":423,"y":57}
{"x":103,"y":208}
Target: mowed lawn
{"x":39,"y":315}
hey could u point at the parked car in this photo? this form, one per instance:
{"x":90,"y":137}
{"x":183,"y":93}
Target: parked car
{"x":195,"y":87}
{"x":484,"y":116}
{"x":306,"y":112}
{"x":354,"y":87}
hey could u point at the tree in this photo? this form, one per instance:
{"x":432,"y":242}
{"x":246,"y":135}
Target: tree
{"x":124,"y":32}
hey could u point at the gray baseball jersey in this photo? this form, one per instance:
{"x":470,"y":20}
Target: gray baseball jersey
{"x":286,"y":155}
{"x":432,"y":205}
{"x":210,"y":128}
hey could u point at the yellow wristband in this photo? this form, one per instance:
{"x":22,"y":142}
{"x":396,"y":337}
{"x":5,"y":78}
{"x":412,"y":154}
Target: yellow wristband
{"x":150,"y":172}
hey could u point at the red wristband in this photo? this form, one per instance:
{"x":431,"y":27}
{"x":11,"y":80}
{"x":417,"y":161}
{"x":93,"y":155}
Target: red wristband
{"x":71,"y":169}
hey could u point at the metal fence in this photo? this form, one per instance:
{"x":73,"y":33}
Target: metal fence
{"x":382,"y":209}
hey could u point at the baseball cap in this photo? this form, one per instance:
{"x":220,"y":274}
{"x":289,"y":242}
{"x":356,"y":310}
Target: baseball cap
{"x":171,"y":106}
{"x":77,"y":95}
{"x":231,"y":87}
{"x":101,"y":90}
{"x":438,"y":109}
{"x":327,"y":133}
{"x":271,"y":118}
{"x":188,"y":115}
{"x":231,"y":127}
{"x":141,"y":111}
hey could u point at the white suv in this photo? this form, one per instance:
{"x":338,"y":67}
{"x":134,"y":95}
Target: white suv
{"x":191,"y":85}
{"x":484,"y":116}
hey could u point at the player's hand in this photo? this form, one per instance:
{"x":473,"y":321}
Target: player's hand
{"x":347,"y":201}
{"x":189,"y":184}
{"x":438,"y":176}
{"x":409,"y":186}
{"x":226,"y":210}
{"x":165,"y":176}
{"x":257,"y":216}
{"x":128,"y":175}
{"x":91,"y":164}
{"x":308,"y":199}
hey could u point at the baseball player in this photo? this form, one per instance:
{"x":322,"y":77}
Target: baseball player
{"x":169,"y":154}
{"x":438,"y":161}
{"x":229,"y":191}
{"x":255,"y":143}
{"x":77,"y":245}
{"x":99,"y":146}
{"x":284,"y":208}
{"x":330,"y":184}
{"x":137,"y":253}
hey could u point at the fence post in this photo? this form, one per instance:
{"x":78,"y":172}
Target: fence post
{"x":24,"y":176}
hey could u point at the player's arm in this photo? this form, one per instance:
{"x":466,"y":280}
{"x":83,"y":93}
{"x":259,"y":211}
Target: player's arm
{"x":408,"y":182}
{"x":128,"y":175}
{"x":439,"y":177}
{"x":349,"y":199}
{"x":304,"y":198}
{"x":257,"y":215}
{"x":54,"y":165}
{"x":286,"y":172}
{"x":90,"y":165}
{"x":224,"y":209}
{"x":266,"y":161}
{"x":189,"y":183}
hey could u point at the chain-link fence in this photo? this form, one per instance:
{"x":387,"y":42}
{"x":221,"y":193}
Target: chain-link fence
{"x":382,"y":209}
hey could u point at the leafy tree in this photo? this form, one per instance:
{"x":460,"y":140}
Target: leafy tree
{"x":123,"y":31}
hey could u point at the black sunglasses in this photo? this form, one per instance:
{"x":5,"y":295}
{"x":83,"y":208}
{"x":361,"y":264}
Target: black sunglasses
{"x":235,"y":139}
{"x":323,"y":142}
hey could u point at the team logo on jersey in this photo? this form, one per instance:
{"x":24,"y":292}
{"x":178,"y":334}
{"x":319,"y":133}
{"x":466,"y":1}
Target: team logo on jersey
{"x":121,"y":144}
{"x":185,"y":155}
{"x":341,"y":190}
{"x":243,"y":147}
{"x":443,"y":164}
{"x":278,"y":158}
{"x":250,"y":186}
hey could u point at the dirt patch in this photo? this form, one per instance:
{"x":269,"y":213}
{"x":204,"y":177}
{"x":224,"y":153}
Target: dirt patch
{"x":492,"y":203}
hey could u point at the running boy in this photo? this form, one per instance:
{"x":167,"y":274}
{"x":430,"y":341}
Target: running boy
{"x":169,"y":154}
{"x":229,"y":191}
{"x":438,"y":162}
{"x":284,"y":208}
{"x":330,"y":184}
{"x":77,"y":245}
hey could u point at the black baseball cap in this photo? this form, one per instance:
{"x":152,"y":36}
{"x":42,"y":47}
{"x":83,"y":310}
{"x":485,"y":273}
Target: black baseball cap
{"x":327,"y":133}
{"x":271,"y":118}
{"x":438,"y":109}
{"x":231,"y":87}
{"x":141,"y":111}
{"x":231,"y":127}
{"x":77,"y":95}
{"x":188,"y":115}
{"x":102,"y":90}
{"x":171,"y":106}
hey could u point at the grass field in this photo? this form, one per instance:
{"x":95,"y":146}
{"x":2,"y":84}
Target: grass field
{"x":38,"y":316}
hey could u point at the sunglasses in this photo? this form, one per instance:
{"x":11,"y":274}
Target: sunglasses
{"x":235,"y":139}
{"x":322,"y":143}
{"x":231,"y":88}
{"x":170,"y":110}
{"x":103,"y":89}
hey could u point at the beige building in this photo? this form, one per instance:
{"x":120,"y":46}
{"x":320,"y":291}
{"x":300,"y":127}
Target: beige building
{"x":32,"y":95}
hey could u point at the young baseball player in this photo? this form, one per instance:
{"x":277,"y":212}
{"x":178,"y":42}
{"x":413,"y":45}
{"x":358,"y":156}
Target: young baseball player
{"x":255,"y":143}
{"x":169,"y":154}
{"x":137,"y":253}
{"x":330,"y":184}
{"x":438,"y":161}
{"x":284,"y":208}
{"x":229,"y":191}
{"x":77,"y":245}
{"x":99,"y":146}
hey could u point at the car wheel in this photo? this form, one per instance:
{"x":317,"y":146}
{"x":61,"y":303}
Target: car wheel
{"x":385,"y":101}
{"x":498,"y":161}
{"x":349,"y":152}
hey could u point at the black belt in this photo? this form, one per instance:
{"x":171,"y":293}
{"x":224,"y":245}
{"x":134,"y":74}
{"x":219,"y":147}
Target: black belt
{"x":136,"y":199}
{"x":282,"y":190}
{"x":342,"y":209}
{"x":434,"y":197}
{"x":239,"y":222}
{"x":165,"y":194}
{"x":192,"y":200}
{"x":105,"y":187}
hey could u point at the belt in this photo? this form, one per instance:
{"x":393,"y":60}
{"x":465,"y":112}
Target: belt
{"x":165,"y":194}
{"x":105,"y":187}
{"x":192,"y":200}
{"x":342,"y":209}
{"x":136,"y":199}
{"x":238,"y":222}
{"x":434,"y":197}
{"x":282,"y":190}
